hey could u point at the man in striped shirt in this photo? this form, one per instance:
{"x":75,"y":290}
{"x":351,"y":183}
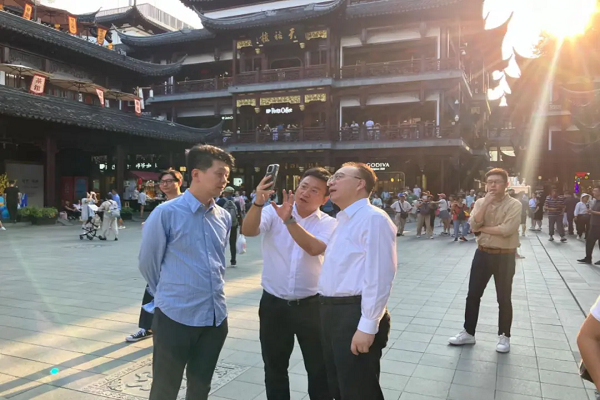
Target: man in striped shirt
{"x":555,"y":207}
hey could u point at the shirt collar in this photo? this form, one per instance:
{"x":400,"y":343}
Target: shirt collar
{"x":354,"y":207}
{"x":195,"y":204}
{"x":317,"y":213}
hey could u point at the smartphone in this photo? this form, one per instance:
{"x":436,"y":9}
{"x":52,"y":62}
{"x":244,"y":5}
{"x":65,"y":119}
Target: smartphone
{"x":272,"y":171}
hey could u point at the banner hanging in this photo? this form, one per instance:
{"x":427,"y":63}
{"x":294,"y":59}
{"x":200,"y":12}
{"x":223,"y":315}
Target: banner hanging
{"x":72,"y":25}
{"x":100,"y":94}
{"x":38,"y":84}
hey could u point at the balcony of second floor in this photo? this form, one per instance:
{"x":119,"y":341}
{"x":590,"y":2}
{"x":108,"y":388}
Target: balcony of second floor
{"x":193,"y":86}
{"x":281,"y":75}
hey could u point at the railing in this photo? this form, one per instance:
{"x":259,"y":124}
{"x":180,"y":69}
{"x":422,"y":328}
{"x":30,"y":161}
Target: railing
{"x":420,"y":131}
{"x":501,"y":132}
{"x":281,"y":75}
{"x":403,"y":67}
{"x":393,"y":132}
{"x":203,"y":85}
{"x":277,"y":136}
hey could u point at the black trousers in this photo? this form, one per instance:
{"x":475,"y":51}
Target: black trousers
{"x":484,"y":266}
{"x":570,"y":218}
{"x":583,"y":225}
{"x":280,"y":321}
{"x":177,"y":346}
{"x":558,"y":221}
{"x":351,"y":377}
{"x":233,"y":242}
{"x":12,"y":212}
{"x":593,"y":236}
{"x":146,"y":318}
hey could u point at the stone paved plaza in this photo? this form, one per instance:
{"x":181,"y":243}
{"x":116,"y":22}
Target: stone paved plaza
{"x":67,"y":305}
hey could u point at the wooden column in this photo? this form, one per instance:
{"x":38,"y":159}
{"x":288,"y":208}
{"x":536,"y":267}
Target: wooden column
{"x":234,"y":60}
{"x":234,"y":123}
{"x":50,"y":171}
{"x":120,"y":168}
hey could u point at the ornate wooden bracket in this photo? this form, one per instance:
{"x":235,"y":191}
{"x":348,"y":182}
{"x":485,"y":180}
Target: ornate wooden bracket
{"x":423,"y":28}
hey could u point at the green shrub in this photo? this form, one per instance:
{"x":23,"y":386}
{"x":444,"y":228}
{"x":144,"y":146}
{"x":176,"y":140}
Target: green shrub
{"x":49,"y":212}
{"x":25,"y":212}
{"x":35,"y":212}
{"x":126,"y":211}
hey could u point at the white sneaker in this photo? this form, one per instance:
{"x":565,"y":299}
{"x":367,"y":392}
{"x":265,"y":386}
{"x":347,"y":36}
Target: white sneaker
{"x":418,"y":236}
{"x":462,"y":339}
{"x":2,"y":228}
{"x":503,"y":344}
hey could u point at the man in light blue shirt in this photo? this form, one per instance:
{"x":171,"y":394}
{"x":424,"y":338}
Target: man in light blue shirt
{"x":182,"y":258}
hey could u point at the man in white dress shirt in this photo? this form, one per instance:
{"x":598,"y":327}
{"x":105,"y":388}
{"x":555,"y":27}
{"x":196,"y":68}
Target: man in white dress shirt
{"x":355,"y":284}
{"x":294,"y":239}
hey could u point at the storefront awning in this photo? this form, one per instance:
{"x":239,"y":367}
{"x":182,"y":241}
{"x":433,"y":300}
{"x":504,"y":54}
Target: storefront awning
{"x":144,"y":175}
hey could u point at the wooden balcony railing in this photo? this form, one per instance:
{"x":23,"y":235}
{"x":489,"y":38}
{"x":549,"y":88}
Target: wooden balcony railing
{"x":419,"y":131}
{"x":402,"y":67}
{"x":203,"y":85}
{"x":393,"y":132}
{"x":281,"y":75}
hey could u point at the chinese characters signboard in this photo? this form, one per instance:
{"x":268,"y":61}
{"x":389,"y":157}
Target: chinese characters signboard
{"x":138,"y":107}
{"x":38,"y":83}
{"x":100,"y":94}
{"x":27,"y":11}
{"x":101,"y":36}
{"x":72,"y":25}
{"x":292,"y":34}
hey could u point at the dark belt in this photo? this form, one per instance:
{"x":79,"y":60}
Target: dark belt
{"x":490,"y":250}
{"x":340,"y":300}
{"x":298,"y":302}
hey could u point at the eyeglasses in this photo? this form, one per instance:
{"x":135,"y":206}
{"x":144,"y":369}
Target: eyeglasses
{"x":167,"y":181}
{"x":495,"y":182}
{"x":338,"y":176}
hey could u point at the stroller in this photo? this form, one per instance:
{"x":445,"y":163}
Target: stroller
{"x":90,"y":229}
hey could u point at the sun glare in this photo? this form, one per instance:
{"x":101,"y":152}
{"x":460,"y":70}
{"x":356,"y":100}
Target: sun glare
{"x":564,"y":19}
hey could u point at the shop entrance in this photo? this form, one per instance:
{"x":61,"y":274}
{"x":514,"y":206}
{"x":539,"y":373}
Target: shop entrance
{"x":392,"y":182}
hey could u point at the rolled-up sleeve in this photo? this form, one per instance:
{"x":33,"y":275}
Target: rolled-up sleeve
{"x":476,"y":226}
{"x":152,"y":249}
{"x":381,"y":264}
{"x":512,"y":221}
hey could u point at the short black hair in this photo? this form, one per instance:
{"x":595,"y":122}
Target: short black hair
{"x":497,"y":171}
{"x":202,"y":156}
{"x":174,"y":173}
{"x":319,"y":173}
{"x":12,"y":182}
{"x":142,"y":190}
{"x":366,"y":173}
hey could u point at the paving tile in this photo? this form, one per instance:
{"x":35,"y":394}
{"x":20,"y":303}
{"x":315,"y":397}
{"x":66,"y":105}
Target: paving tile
{"x":434,"y":373}
{"x":557,"y":392}
{"x":516,"y":372}
{"x":427,"y":387}
{"x":474,"y":379}
{"x":518,"y":386}
{"x":403,"y":355}
{"x":460,"y":392}
{"x":237,"y":390}
{"x":562,"y":378}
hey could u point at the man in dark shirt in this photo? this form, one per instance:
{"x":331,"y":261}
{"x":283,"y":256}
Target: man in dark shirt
{"x":570,"y":203}
{"x":593,"y":234}
{"x":11,"y":196}
{"x":226,"y":202}
{"x":555,"y":207}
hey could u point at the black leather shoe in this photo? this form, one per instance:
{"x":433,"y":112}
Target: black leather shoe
{"x":585,"y":261}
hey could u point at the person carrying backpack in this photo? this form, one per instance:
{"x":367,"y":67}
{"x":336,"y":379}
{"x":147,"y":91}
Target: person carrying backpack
{"x":460,"y":216}
{"x":110,"y":218}
{"x":233,"y":207}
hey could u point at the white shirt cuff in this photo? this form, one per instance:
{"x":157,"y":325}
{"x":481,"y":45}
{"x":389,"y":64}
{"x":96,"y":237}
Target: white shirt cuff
{"x":369,"y":326}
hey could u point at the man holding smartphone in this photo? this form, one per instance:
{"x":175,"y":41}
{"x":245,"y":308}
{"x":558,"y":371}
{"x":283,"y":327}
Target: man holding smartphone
{"x":295,"y":236}
{"x":355,"y":284}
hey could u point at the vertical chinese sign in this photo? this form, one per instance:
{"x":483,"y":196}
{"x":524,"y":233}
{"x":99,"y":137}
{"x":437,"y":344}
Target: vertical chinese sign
{"x":38,"y":84}
{"x":100,"y":94}
{"x":101,"y":36}
{"x":72,"y":25}
{"x":138,"y":107}
{"x":27,"y":11}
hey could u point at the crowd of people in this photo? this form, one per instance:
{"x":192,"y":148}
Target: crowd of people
{"x":370,"y":130}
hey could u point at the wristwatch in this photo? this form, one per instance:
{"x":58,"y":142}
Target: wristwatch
{"x":290,"y":220}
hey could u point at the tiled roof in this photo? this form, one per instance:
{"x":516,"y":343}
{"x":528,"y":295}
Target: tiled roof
{"x":168,"y":38}
{"x":12,"y":24}
{"x":389,"y":7}
{"x":20,"y":104}
{"x":272,"y":17}
{"x":133,"y":16}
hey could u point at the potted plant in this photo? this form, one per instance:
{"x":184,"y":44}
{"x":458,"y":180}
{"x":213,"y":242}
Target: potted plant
{"x":43,"y":216}
{"x":24,"y":214}
{"x":126,"y":213}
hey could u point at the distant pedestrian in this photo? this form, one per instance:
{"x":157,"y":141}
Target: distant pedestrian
{"x":117,"y":199}
{"x":570,"y":204}
{"x":142,"y":197}
{"x":235,"y":210}
{"x":582,"y":216}
{"x":401,"y":209}
{"x":555,"y":207}
{"x":593,"y":234}
{"x":495,"y":221}
{"x":111,"y":213}
{"x":11,"y":197}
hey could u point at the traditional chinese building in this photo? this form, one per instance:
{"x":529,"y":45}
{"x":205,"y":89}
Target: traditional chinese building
{"x":398,"y":84}
{"x":71,"y":115}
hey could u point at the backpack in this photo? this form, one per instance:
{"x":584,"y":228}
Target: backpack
{"x":462,"y":214}
{"x":232,"y":209}
{"x":113,"y":210}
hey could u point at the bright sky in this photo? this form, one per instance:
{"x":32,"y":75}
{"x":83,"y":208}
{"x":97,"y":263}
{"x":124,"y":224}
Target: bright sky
{"x":173,"y":7}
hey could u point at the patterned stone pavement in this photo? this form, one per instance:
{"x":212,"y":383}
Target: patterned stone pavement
{"x":66,"y":306}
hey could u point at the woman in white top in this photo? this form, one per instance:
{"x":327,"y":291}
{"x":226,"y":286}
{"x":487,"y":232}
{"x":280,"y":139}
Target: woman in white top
{"x":109,"y":220}
{"x":444,"y":214}
{"x":582,"y":218}
{"x":588,"y":341}
{"x":88,"y":211}
{"x":142,"y":201}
